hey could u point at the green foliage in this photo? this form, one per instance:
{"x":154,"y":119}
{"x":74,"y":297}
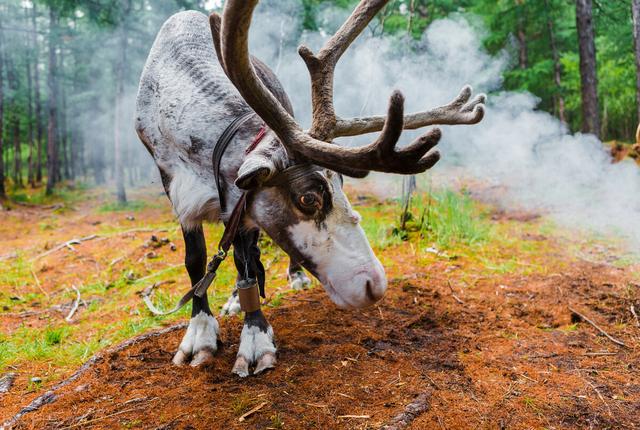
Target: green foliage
{"x":452,"y":218}
{"x":130,"y":206}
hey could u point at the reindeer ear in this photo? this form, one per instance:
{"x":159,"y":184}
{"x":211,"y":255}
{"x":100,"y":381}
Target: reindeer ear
{"x":255,"y":170}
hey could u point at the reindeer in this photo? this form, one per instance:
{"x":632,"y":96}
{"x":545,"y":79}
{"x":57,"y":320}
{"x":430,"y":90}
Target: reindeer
{"x":288,"y":181}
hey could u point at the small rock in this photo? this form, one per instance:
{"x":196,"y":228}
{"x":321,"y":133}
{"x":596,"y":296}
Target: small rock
{"x":36,"y":380}
{"x":173,"y":247}
{"x":81,"y":388}
{"x":151,"y":255}
{"x":131,"y":218}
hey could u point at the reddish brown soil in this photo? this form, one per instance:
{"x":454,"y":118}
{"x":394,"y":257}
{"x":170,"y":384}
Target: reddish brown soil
{"x":506,"y":355}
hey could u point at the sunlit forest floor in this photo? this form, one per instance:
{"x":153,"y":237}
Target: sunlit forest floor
{"x":476,"y":324}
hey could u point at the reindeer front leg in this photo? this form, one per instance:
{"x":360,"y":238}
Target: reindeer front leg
{"x":257,"y":347}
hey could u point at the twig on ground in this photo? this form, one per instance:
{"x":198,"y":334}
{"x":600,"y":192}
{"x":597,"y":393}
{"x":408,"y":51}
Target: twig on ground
{"x":146,"y":297}
{"x":453,"y":294}
{"x":252,"y":411}
{"x":413,"y":410}
{"x":599,"y":395}
{"x":597,"y":354}
{"x":584,"y":318}
{"x":83,"y":423}
{"x":68,"y":244}
{"x":35,"y":277}
{"x":360,"y":417}
{"x":346,"y":395}
{"x":76,"y":303}
{"x":635,"y":315}
{"x":9,"y":256}
{"x":6,"y":381}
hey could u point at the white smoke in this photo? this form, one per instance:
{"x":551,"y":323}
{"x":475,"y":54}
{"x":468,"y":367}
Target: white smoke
{"x":528,"y":154}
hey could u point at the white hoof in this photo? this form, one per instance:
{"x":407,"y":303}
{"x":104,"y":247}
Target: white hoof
{"x":256,"y":348}
{"x":200,"y":341}
{"x":299,"y":280}
{"x":232,"y":307}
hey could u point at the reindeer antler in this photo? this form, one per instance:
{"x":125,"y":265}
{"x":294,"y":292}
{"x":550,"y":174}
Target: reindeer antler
{"x":231,"y":41}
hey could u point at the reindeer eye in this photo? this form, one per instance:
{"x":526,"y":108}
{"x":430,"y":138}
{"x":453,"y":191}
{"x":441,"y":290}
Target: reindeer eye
{"x":308,"y":199}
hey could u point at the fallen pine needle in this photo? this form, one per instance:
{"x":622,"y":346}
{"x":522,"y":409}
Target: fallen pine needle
{"x":346,"y":395}
{"x":453,"y":294}
{"x":252,"y":411}
{"x":316,"y":405}
{"x":584,"y":318}
{"x":361,"y":417}
{"x":635,"y":315}
{"x":76,"y":303}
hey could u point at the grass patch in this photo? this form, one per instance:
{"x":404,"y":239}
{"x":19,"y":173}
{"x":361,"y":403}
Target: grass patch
{"x":130,"y":206}
{"x":444,"y":218}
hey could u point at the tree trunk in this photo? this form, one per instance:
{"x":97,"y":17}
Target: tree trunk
{"x":588,"y":73}
{"x":65,"y":168}
{"x":14,"y":124}
{"x":17,"y":153}
{"x":635,"y":10}
{"x":557,"y":67}
{"x":523,"y":54}
{"x":32,"y":146}
{"x":117,"y":124}
{"x":3,"y":194}
{"x":52,"y":149}
{"x":38,"y":98}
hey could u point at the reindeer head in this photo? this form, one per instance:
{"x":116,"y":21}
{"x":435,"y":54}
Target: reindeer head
{"x":296,"y":175}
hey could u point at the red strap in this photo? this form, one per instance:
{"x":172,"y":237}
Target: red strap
{"x":256,"y":139}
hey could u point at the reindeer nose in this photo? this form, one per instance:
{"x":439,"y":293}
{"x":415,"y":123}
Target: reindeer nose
{"x":375,"y":286}
{"x":372,"y":294}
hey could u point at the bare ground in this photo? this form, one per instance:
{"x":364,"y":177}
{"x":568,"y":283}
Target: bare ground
{"x":448,"y":347}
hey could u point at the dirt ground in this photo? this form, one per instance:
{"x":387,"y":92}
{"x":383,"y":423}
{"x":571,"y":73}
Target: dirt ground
{"x":448,"y":347}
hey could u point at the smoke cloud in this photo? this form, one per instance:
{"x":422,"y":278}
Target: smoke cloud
{"x":526,"y":154}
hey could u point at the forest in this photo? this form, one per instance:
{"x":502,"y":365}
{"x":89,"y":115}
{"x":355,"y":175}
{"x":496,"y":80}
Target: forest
{"x":468,"y":261}
{"x":69,"y":71}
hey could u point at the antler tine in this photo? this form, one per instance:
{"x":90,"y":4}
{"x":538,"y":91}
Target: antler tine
{"x":231,"y":42}
{"x":322,"y":66}
{"x":457,"y":112}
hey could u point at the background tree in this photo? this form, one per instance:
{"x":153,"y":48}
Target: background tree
{"x":588,"y":68}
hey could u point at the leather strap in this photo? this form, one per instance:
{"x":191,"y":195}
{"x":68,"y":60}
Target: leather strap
{"x":221,"y":146}
{"x":248,"y":295}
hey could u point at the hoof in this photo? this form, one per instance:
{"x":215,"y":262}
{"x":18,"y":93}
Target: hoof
{"x":232,"y":306}
{"x":201,"y":358}
{"x":266,"y":362}
{"x":299,"y":281}
{"x":241,"y":367}
{"x":199,"y":343}
{"x":257,"y":349}
{"x":180,"y":359}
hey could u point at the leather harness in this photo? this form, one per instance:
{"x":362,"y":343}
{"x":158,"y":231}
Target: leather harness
{"x":246,"y":254}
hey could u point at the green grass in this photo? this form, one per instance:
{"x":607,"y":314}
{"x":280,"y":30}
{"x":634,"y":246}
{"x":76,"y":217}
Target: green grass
{"x":444,"y":218}
{"x":64,"y":193}
{"x":130,"y":206}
